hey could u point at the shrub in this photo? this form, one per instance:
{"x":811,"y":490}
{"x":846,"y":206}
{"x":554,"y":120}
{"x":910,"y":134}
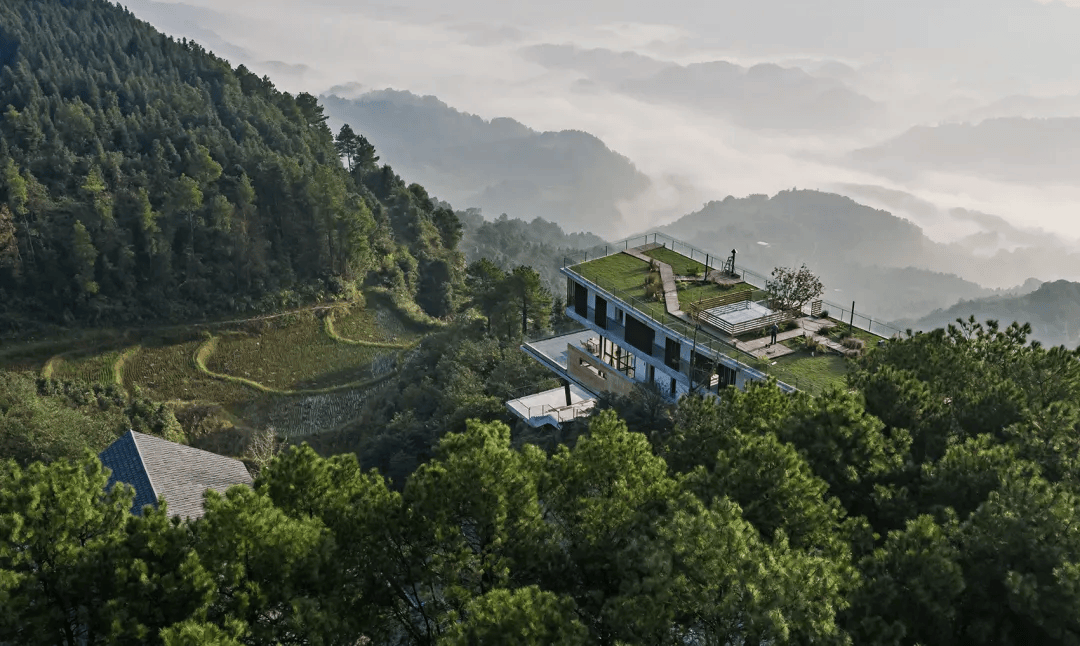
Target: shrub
{"x":788,"y":326}
{"x":853,"y":343}
{"x":812,"y":344}
{"x":824,"y":314}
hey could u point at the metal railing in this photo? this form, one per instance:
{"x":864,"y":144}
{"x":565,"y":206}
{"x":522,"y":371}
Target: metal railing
{"x":561,"y":413}
{"x":862,"y":321}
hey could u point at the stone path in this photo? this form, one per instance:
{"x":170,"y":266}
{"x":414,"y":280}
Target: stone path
{"x":667,"y":277}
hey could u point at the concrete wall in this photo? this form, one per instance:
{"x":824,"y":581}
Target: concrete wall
{"x":613,"y":381}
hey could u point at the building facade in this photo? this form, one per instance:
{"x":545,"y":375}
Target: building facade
{"x":623,"y":346}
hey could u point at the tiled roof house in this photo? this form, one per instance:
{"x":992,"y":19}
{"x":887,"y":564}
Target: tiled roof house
{"x":159,"y":469}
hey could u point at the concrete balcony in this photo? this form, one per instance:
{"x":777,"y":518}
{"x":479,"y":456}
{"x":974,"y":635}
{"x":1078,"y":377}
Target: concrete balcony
{"x":550,"y":407}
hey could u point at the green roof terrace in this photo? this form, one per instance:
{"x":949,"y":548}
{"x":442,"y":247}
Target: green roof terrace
{"x":708,"y":298}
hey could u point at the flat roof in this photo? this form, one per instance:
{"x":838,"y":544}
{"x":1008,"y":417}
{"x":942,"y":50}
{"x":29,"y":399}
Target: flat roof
{"x":554,"y":348}
{"x":539,"y":404}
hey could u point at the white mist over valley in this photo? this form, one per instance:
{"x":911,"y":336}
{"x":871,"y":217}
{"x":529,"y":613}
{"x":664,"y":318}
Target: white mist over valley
{"x":962,"y":117}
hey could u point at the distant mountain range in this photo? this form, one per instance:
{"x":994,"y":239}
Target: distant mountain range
{"x":1010,"y":149}
{"x":1053,"y":311}
{"x":500,"y":165}
{"x":1029,"y":107}
{"x":884,"y":263}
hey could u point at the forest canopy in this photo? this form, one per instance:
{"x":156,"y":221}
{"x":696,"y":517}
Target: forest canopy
{"x":143,"y":178}
{"x":934,"y":502}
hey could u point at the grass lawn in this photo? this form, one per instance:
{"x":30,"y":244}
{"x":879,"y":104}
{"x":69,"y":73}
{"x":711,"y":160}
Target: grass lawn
{"x":680,"y":264}
{"x":617,"y":273}
{"x":869,"y":338}
{"x":624,"y":276}
{"x":812,"y":374}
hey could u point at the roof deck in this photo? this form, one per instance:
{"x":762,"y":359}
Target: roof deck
{"x":720,"y":311}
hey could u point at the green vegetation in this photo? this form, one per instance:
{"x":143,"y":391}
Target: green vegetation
{"x":378,"y":323}
{"x":904,"y":508}
{"x":618,"y":272}
{"x":167,"y":372}
{"x":144,"y":179}
{"x":814,"y":374}
{"x":92,"y":368}
{"x":625,"y":277}
{"x":542,"y":245}
{"x":680,"y":264}
{"x":300,"y":356}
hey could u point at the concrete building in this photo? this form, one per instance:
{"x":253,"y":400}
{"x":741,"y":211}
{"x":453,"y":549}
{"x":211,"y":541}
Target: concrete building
{"x":633,"y":335}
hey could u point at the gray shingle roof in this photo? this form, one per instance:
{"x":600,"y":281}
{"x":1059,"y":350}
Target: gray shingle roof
{"x":159,"y":469}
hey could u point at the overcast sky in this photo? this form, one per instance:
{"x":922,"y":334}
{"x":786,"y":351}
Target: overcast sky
{"x":918,"y":62}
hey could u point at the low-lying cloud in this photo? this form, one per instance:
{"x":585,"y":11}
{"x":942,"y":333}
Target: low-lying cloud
{"x":633,"y":83}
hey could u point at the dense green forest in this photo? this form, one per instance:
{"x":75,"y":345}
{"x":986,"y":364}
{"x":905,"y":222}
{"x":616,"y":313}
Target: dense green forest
{"x":512,"y":242}
{"x":143,"y":178}
{"x":935,"y":502}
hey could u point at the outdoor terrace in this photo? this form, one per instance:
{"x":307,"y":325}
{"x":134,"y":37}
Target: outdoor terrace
{"x":700,"y":285}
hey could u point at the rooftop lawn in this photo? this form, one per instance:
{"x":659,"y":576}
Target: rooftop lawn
{"x":624,"y":276}
{"x":811,"y":374}
{"x":680,"y":264}
{"x":869,"y":337}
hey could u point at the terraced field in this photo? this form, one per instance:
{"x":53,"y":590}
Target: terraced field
{"x":302,"y":377}
{"x":377,"y":323}
{"x":167,"y":373}
{"x":92,"y":368}
{"x":299,"y":357}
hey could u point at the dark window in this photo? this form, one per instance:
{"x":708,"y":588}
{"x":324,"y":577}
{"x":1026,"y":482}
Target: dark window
{"x":600,"y":313}
{"x":650,"y":373}
{"x":672,"y":348}
{"x":639,"y":335}
{"x":726,"y":377}
{"x":581,"y":300}
{"x":703,"y":369}
{"x":672,"y":386}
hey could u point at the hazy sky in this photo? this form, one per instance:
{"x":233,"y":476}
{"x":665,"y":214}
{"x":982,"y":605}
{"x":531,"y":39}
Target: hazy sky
{"x":921,"y":61}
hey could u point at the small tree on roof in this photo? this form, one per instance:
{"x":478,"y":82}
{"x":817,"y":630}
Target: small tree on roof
{"x":791,"y":289}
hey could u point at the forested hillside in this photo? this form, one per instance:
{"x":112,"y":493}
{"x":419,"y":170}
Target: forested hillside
{"x":1053,"y":310}
{"x":512,"y":242}
{"x":883,"y":262}
{"x":934,"y":502}
{"x":501,"y":166}
{"x":143,"y":178}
